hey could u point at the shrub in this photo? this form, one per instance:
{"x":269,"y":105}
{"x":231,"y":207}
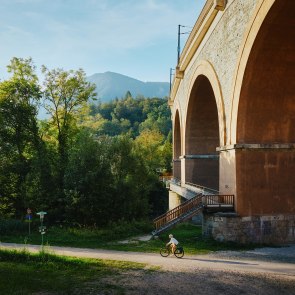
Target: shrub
{"x":9,"y":226}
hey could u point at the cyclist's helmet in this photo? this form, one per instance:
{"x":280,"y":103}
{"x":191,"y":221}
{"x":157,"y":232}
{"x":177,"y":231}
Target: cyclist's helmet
{"x":170,"y":236}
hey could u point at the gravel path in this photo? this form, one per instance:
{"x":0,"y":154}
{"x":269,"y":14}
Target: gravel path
{"x":261,"y":271}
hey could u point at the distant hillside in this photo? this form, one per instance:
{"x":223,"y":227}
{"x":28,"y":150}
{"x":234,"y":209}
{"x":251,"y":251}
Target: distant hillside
{"x":110,"y":85}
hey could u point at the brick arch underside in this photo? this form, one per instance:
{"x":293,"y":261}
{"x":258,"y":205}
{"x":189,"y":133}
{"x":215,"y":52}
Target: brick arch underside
{"x":202,"y":136}
{"x":266,"y":115}
{"x":176,"y":148}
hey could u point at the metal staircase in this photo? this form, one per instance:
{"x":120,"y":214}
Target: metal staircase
{"x":178,"y":214}
{"x":191,"y":207}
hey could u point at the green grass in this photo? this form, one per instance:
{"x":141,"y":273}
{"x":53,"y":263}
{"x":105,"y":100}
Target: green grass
{"x":24,"y":273}
{"x":189,"y":235}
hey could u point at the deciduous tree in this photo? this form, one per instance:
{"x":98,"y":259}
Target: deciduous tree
{"x":19,"y":140}
{"x":65,"y":92}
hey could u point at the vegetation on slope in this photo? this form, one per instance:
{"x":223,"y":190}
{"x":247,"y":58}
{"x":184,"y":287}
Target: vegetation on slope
{"x":85,"y":165}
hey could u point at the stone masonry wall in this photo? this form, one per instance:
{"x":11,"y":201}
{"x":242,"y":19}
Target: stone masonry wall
{"x":276,"y":229}
{"x":221,"y":49}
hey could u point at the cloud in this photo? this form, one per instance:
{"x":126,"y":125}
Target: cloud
{"x":101,"y":24}
{"x":70,"y":33}
{"x":112,"y":24}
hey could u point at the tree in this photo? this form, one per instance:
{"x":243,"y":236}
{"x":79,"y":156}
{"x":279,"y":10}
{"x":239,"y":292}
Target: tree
{"x":149,"y":144}
{"x":88,"y":181}
{"x":130,"y":180}
{"x":132,"y":116}
{"x":19,"y":138}
{"x":156,"y":155}
{"x":106,"y":181}
{"x":157,"y":116}
{"x":65,"y":92}
{"x":128,"y":94}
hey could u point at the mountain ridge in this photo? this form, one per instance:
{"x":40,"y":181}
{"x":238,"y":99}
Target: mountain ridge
{"x":111,"y":85}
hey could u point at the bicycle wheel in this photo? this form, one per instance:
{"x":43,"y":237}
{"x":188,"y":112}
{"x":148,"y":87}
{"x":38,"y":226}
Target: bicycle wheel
{"x":164,"y":252}
{"x":179,"y":253}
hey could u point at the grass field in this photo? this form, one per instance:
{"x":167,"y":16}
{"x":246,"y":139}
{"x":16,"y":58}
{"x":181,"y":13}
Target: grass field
{"x":43,"y":273}
{"x":189,"y":235}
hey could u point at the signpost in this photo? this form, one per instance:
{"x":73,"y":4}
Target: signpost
{"x":29,"y":218}
{"x":42,"y":228}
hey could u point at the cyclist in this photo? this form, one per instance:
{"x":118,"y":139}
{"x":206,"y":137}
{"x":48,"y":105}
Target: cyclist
{"x":172,"y":243}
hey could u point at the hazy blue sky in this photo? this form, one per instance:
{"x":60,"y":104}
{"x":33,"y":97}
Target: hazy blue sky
{"x":137,"y":38}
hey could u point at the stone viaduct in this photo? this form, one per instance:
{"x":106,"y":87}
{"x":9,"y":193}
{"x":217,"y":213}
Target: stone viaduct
{"x":233,"y":112}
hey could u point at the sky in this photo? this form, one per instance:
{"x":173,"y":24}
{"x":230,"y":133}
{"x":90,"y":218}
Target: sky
{"x":137,"y":38}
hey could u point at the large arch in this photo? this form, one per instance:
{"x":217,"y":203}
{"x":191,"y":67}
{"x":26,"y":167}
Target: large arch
{"x":263,"y":114}
{"x":204,"y":127}
{"x":205,"y":68}
{"x":177,"y":146}
{"x":202,"y":132}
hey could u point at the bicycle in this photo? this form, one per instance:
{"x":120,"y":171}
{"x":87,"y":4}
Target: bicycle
{"x":166,"y":251}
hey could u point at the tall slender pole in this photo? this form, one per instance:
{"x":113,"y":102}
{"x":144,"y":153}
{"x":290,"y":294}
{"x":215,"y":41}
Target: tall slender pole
{"x":170,"y":81}
{"x":178,"y":41}
{"x":178,"y":46}
{"x":41,"y":231}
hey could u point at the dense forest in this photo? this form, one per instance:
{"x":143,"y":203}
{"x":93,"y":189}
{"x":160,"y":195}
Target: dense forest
{"x":86,"y":163}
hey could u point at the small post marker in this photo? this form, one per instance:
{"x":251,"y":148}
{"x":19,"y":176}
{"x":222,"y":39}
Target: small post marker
{"x":29,"y":218}
{"x":42,"y":228}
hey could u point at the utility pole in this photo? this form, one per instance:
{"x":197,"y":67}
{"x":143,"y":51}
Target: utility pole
{"x":178,"y":40}
{"x":178,"y":44}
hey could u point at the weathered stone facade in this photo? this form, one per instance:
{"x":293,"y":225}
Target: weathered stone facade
{"x":233,"y":105}
{"x":220,"y":48}
{"x":271,"y":229}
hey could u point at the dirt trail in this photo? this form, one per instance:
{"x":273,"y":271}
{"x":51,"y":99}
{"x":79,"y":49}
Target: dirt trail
{"x":262,"y":271}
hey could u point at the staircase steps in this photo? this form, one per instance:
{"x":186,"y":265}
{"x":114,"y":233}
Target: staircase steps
{"x":179,"y":214}
{"x":181,"y":218}
{"x":191,"y":207}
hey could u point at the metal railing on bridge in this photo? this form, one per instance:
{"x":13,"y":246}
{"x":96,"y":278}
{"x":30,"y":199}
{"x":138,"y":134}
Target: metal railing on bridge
{"x":190,"y":208}
{"x":203,"y":189}
{"x":177,"y":211}
{"x":218,"y":200}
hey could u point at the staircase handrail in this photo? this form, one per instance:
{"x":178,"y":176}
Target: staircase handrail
{"x":202,"y":187}
{"x":196,"y":202}
{"x":177,"y":211}
{"x":178,"y":207}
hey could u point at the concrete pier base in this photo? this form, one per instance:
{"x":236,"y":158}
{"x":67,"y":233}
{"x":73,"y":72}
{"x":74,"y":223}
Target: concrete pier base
{"x":270,"y":229}
{"x":174,"y":200}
